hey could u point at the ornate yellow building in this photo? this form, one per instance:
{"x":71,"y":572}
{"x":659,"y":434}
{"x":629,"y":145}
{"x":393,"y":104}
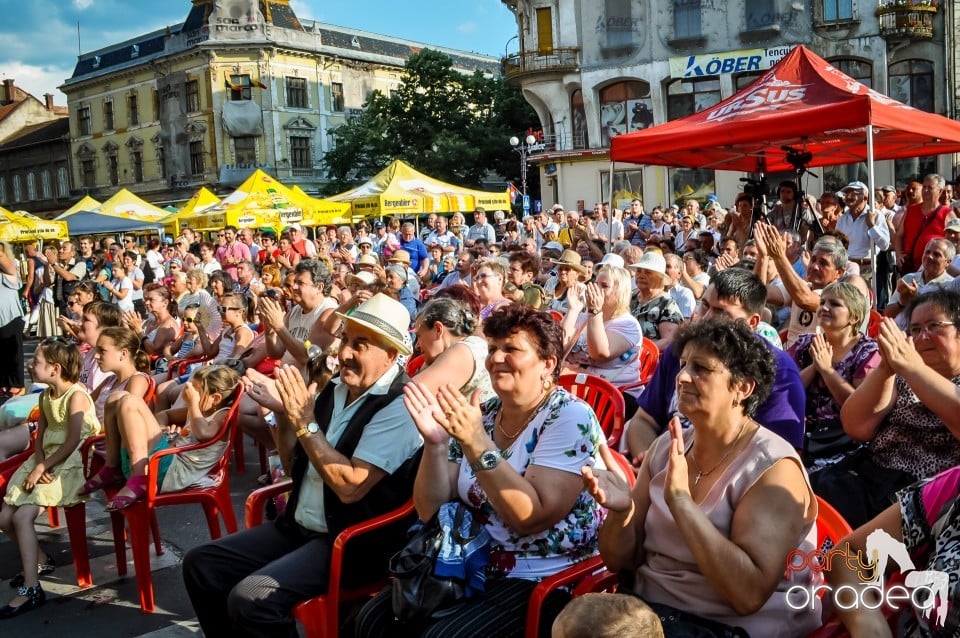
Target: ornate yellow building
{"x":239,"y":85}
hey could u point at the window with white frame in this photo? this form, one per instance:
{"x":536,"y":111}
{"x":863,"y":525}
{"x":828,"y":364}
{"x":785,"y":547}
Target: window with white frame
{"x":46,"y":186}
{"x":84,"y":122}
{"x":63,"y":181}
{"x":300,"y":152}
{"x":296,"y":90}
{"x":836,"y":10}
{"x":686,"y":19}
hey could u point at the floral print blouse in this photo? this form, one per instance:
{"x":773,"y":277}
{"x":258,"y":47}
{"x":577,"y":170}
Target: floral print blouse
{"x":564,"y":435}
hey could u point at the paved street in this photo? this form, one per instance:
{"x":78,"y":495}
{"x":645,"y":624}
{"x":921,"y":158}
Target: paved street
{"x":111,"y":607}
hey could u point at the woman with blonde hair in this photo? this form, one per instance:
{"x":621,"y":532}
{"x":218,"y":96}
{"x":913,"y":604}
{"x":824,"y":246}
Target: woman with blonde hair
{"x":833,"y":362}
{"x":601,"y":335}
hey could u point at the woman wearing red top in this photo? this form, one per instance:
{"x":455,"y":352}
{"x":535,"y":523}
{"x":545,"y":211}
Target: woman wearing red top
{"x":923,"y":222}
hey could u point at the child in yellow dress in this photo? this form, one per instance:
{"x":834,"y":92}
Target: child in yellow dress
{"x":52,"y":476}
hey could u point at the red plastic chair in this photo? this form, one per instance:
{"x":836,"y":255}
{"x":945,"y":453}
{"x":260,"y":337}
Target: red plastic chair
{"x":873,"y":323}
{"x":76,"y":516}
{"x":139,"y":516}
{"x":178,"y":367}
{"x":585,"y":569}
{"x":649,"y":358}
{"x":603,"y":397}
{"x":831,"y":526}
{"x":414,"y":364}
{"x":320,"y":615}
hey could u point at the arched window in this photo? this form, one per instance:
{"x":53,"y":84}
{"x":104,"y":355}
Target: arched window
{"x":859,"y":70}
{"x":911,"y":82}
{"x":624,"y":106}
{"x":581,"y":138}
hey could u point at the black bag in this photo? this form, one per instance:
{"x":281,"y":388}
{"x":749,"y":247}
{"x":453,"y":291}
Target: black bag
{"x":827,"y":439}
{"x":417,"y":593}
{"x":237,"y":365}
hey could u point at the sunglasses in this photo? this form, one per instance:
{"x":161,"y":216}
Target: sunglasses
{"x":224,"y":309}
{"x":188,"y":320}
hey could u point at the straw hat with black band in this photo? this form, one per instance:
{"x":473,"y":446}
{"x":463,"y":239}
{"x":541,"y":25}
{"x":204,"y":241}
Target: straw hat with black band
{"x":571,"y":259}
{"x":386,"y":317}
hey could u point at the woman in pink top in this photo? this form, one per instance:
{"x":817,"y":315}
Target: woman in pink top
{"x":716,"y":509}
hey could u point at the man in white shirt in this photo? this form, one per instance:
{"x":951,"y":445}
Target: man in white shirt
{"x":864,"y":227}
{"x":353,"y":452}
{"x":932,"y":275}
{"x":480,"y":229}
{"x":679,"y":293}
{"x":602,"y":229}
{"x":441,"y":236}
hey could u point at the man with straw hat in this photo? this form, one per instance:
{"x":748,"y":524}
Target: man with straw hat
{"x":353,"y":453}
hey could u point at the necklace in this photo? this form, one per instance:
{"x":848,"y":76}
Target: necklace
{"x":700,"y":472}
{"x":533,"y":413}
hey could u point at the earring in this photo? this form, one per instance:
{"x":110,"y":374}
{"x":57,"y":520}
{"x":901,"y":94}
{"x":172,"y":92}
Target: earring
{"x":546,"y":384}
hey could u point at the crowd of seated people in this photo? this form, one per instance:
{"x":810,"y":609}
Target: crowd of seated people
{"x":731,"y":438}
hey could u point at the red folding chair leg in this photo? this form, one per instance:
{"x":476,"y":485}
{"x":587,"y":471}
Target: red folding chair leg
{"x":76,"y":516}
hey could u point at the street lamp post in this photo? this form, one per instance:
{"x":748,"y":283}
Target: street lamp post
{"x":524,"y":150}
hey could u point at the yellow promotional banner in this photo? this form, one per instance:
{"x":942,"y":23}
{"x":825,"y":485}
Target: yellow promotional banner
{"x":400,"y":190}
{"x":15,"y":227}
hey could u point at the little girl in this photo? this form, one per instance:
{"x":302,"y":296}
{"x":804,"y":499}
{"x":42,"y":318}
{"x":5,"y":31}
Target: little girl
{"x":53,"y":474}
{"x":234,"y":339}
{"x":120,"y":287}
{"x":118,"y":351}
{"x":134,"y":433}
{"x":183,"y":347}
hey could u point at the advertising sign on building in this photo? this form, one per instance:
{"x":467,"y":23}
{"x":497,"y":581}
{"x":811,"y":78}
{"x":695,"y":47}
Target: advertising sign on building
{"x":743,"y":61}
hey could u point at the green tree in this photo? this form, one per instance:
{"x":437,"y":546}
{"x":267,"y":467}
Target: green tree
{"x":449,"y":125}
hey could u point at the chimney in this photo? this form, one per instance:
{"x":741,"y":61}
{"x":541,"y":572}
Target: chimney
{"x":48,"y":101}
{"x":8,"y":90}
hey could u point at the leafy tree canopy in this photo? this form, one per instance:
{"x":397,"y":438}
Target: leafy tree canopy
{"x":451,"y":126}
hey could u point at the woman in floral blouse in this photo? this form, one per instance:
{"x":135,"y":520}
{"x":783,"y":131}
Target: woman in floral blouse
{"x":515,"y":460}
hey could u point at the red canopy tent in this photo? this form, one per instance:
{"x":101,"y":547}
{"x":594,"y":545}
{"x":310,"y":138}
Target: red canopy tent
{"x":803,"y":102}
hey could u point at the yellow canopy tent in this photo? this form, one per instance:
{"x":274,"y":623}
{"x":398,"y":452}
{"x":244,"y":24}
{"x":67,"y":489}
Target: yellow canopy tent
{"x":203,"y":199}
{"x":15,"y":227}
{"x":318,"y":211}
{"x":123,"y":204}
{"x":400,"y":190}
{"x":87,"y":203}
{"x":263,"y":201}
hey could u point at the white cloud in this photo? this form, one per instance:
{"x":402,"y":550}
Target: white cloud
{"x":82,"y":4}
{"x":467,"y":27}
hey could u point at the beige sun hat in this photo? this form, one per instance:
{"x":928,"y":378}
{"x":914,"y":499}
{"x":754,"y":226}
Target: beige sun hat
{"x":653,"y":261}
{"x":385,"y":316}
{"x":572,"y":259}
{"x":400,"y":256}
{"x":368,"y":260}
{"x":362,"y":278}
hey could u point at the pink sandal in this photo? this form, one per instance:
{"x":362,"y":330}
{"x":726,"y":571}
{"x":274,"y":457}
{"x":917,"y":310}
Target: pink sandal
{"x":106,"y":477}
{"x":136,"y":484}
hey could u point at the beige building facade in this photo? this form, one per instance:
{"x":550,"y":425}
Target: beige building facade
{"x":593,"y":70}
{"x":239,"y":85}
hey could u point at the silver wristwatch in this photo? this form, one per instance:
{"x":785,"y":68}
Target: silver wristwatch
{"x":487,"y":461}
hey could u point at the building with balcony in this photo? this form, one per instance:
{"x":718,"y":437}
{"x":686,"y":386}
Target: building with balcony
{"x":594,"y":70}
{"x":239,"y":85}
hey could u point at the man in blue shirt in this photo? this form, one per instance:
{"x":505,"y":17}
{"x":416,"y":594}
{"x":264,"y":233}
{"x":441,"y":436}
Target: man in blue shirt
{"x":739,"y":294}
{"x":417,"y":249}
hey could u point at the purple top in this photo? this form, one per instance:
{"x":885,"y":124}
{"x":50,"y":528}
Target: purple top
{"x":781,"y":413}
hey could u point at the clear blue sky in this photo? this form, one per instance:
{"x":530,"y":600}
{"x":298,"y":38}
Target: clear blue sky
{"x":39,"y":37}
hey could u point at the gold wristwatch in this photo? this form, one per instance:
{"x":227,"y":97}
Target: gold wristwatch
{"x":310,"y":428}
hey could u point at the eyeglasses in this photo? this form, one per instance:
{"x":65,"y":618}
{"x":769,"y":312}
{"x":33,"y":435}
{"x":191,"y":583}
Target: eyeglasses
{"x":932,"y":329}
{"x":188,"y":320}
{"x":224,"y":309}
{"x":486,"y":276}
{"x":73,"y":303}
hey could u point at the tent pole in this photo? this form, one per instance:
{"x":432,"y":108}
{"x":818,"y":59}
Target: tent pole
{"x":872,"y":203}
{"x":610,"y":210}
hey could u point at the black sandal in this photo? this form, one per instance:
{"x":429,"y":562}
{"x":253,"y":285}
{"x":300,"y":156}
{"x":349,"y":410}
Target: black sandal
{"x":42,"y":570}
{"x":35,"y":597}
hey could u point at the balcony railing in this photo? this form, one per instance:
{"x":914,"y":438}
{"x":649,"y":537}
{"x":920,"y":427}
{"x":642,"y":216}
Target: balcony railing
{"x":559,"y":143}
{"x":907,"y":19}
{"x":556,"y":60}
